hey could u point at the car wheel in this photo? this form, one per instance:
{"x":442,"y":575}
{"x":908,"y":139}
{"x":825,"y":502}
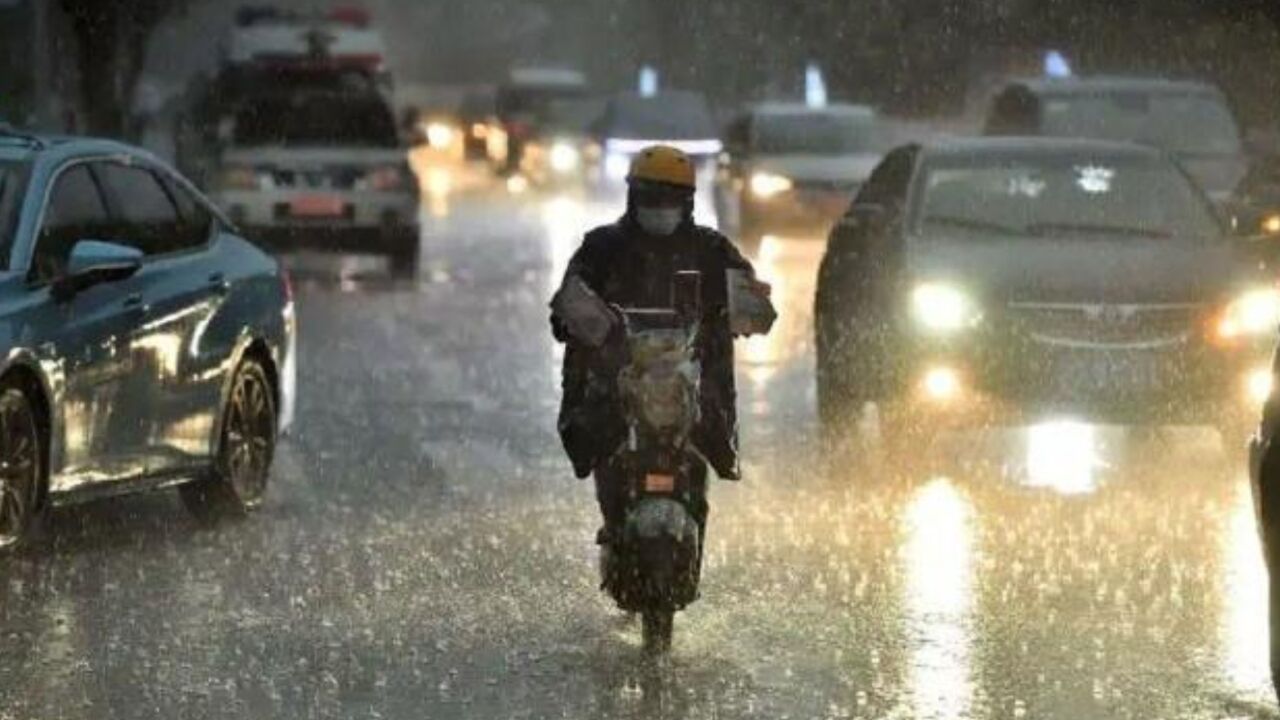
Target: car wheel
{"x":21,"y":467}
{"x":237,"y":481}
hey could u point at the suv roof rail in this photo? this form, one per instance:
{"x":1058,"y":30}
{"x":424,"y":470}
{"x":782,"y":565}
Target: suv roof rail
{"x":9,"y":131}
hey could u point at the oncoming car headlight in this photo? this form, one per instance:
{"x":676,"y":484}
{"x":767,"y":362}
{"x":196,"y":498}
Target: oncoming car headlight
{"x":943,"y":308}
{"x":765,"y":185}
{"x":564,"y":157}
{"x":1256,"y":312}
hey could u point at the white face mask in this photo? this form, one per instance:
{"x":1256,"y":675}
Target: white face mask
{"x":659,"y":221}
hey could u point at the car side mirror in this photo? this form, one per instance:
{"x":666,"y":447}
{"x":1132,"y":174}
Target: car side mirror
{"x":94,"y":262}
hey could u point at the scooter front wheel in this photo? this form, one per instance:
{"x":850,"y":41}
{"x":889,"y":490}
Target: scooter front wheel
{"x":656,"y":630}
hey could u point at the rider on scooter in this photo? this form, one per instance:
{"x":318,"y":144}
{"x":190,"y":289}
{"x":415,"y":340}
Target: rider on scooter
{"x":631,"y":263}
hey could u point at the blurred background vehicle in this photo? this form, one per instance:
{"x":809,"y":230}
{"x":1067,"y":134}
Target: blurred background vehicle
{"x":1041,"y":275}
{"x":521,"y":107}
{"x":147,"y":344}
{"x":324,"y":169}
{"x":562,"y":152}
{"x":791,"y":169}
{"x":1191,"y":120}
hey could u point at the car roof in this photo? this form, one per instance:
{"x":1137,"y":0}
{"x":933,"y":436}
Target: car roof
{"x":1113,"y":84}
{"x":1037,"y":145}
{"x":785,"y":109}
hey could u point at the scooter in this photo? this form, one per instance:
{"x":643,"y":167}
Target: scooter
{"x":653,"y":568}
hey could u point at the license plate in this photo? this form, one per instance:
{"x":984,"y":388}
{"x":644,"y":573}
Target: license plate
{"x":1123,"y":373}
{"x":657,"y":483}
{"x":317,"y":206}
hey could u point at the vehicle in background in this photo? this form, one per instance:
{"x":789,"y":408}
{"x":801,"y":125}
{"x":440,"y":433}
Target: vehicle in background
{"x":562,"y":152}
{"x":633,"y":122}
{"x":791,"y":169}
{"x":476,"y":114}
{"x":1190,"y":120}
{"x":342,"y":38}
{"x":146,"y":343}
{"x":320,"y":169}
{"x":1255,"y":209}
{"x":521,"y":106}
{"x":211,"y":103}
{"x":1040,"y":275}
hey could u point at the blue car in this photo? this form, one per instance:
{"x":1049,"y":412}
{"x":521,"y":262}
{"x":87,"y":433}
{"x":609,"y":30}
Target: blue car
{"x":143,"y":342}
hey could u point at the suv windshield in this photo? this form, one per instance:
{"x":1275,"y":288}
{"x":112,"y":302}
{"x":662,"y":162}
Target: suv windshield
{"x":1182,"y":123}
{"x":1062,"y":195}
{"x":814,"y":134}
{"x":316,"y":120}
{"x":667,"y":116}
{"x":13,"y":181}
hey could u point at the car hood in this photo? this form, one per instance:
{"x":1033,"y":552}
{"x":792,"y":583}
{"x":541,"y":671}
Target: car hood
{"x":841,"y":168}
{"x":1090,"y":270}
{"x":312,"y":156}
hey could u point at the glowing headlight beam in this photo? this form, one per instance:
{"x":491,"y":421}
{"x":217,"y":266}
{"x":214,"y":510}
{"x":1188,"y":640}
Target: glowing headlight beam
{"x":767,"y":185}
{"x":564,"y":157}
{"x":1256,"y":312}
{"x":943,"y":308}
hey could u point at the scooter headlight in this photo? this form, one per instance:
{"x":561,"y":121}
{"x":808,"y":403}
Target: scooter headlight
{"x":942,"y":308}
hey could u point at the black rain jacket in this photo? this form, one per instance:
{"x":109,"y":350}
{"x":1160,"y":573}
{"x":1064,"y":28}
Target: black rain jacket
{"x":629,"y":268}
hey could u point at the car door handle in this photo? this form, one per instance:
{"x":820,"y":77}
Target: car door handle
{"x":134,"y":303}
{"x":218,"y":282}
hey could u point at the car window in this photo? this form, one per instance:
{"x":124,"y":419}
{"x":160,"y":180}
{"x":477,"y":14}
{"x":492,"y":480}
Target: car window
{"x":195,"y":222}
{"x":316,"y":120}
{"x":75,"y":212}
{"x":143,"y":214}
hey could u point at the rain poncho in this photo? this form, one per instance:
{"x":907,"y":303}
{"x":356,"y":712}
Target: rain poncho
{"x":629,"y":268}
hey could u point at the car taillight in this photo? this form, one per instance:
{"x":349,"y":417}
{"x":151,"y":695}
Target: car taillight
{"x":240,"y":178}
{"x":385,"y":178}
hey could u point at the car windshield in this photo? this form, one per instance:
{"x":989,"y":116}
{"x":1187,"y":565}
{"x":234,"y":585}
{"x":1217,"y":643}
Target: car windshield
{"x":666,"y":116}
{"x":814,"y":134}
{"x":1056,"y":195}
{"x":533,"y":100}
{"x":573,"y":116}
{"x":1193,"y":123}
{"x":315,"y":120}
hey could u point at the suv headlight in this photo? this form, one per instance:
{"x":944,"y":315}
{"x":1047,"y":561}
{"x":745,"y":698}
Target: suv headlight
{"x":943,"y":308}
{"x":1256,"y":312}
{"x":765,"y":185}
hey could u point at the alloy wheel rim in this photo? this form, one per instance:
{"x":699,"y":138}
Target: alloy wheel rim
{"x":248,"y":442}
{"x":19,"y":468}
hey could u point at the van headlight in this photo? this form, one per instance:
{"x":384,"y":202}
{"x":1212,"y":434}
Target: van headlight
{"x":942,"y":308}
{"x":1256,"y":312}
{"x":765,"y":185}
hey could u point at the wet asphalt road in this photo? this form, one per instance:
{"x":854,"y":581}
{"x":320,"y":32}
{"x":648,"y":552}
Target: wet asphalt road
{"x":425,"y":552}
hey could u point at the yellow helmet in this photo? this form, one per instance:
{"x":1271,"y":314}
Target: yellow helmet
{"x":663,"y":164}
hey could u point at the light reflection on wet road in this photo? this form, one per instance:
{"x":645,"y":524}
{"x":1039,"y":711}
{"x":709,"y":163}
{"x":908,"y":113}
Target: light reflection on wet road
{"x":425,"y":552}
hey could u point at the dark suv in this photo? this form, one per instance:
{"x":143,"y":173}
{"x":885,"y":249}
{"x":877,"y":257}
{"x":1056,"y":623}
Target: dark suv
{"x":1191,"y":120}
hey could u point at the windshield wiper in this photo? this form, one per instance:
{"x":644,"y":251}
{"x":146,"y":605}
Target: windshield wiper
{"x":1097,"y":229}
{"x":968,"y":223}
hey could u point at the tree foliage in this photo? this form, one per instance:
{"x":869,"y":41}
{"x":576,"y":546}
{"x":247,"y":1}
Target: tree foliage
{"x":111,"y":40}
